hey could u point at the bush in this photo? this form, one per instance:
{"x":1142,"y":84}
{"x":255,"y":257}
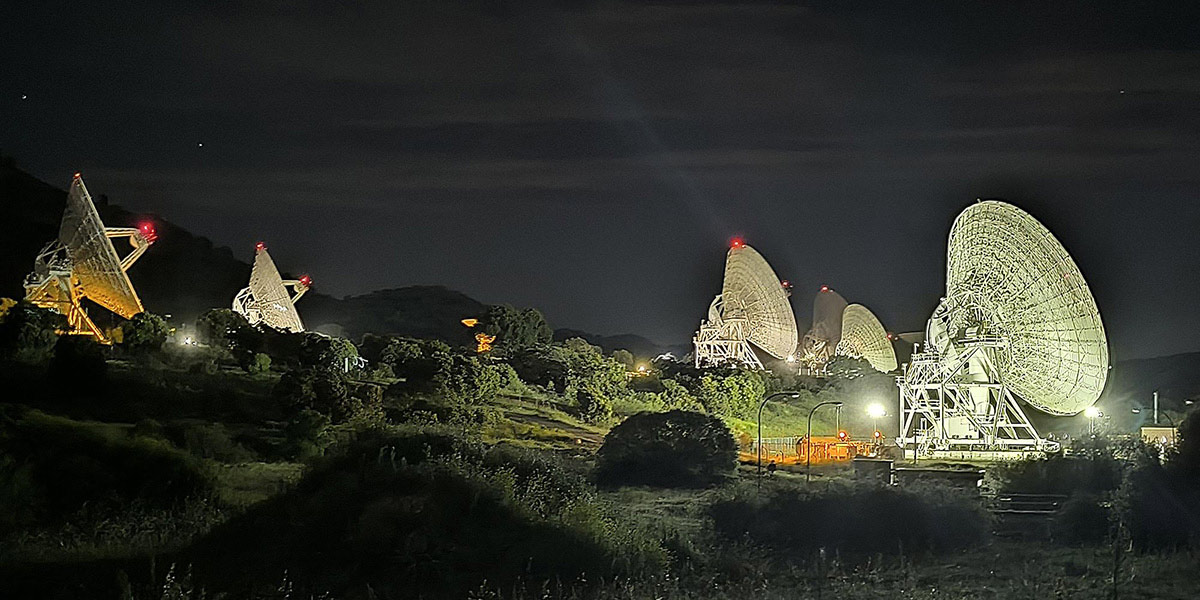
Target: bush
{"x":306,"y":435}
{"x":395,"y":510}
{"x":675,"y":448}
{"x":1082,"y":520}
{"x":29,"y":333}
{"x":212,"y":440}
{"x":54,"y":466}
{"x":144,"y":333}
{"x":855,"y":519}
{"x":220,"y":327}
{"x":736,"y":394}
{"x":257,"y":363}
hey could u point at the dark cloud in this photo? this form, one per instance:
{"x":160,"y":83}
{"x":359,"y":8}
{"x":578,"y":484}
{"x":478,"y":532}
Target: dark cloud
{"x":594,"y":158}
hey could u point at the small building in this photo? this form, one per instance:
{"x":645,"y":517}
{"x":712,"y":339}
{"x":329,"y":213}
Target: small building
{"x":1159,"y":435}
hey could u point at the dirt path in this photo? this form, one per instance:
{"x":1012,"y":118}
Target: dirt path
{"x":589,"y":437}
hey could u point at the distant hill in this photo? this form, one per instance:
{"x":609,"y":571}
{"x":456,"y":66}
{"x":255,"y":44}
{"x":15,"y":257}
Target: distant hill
{"x":636,"y":344}
{"x":418,"y":311}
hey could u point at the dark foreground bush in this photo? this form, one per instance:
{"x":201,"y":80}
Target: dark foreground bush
{"x":416,"y":513}
{"x":52,"y":467}
{"x":854,"y":520}
{"x":675,"y":448}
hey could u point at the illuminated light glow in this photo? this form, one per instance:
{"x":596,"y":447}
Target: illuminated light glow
{"x":1017,"y":321}
{"x":876,"y":410}
{"x":483,"y":342}
{"x":824,"y":288}
{"x":737,"y":242}
{"x":751,"y":312}
{"x":267,"y":298}
{"x":470,"y":322}
{"x":78,"y":175}
{"x":1092,"y":412}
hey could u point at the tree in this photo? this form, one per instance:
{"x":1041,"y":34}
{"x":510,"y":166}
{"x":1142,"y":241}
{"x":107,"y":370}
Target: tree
{"x":220,"y":326}
{"x":306,"y":434}
{"x":145,"y":332}
{"x":675,"y":396}
{"x":593,"y":381}
{"x":467,"y":380}
{"x":624,"y":357}
{"x":326,"y":353}
{"x":675,"y":448}
{"x":516,"y":329}
{"x":257,"y":364}
{"x":736,"y":394}
{"x":28,"y":332}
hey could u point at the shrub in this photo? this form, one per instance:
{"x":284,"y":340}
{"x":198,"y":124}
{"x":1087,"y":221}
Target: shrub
{"x":395,"y":508}
{"x":145,"y":332}
{"x":306,"y":435}
{"x":256,"y":364}
{"x":63,"y":465}
{"x":675,"y":448}
{"x":854,"y":519}
{"x":212,"y":440}
{"x":29,"y":333}
{"x":1082,"y":520}
{"x":736,"y":394}
{"x":219,"y":327}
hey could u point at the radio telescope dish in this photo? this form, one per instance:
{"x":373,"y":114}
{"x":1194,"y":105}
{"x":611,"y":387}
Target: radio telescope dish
{"x":863,"y":337}
{"x":820,"y":343}
{"x":1017,"y":321}
{"x":753,"y":308}
{"x":267,"y":299}
{"x":83,"y":263}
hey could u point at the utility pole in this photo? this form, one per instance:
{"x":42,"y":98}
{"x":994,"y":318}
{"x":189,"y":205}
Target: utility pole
{"x":1156,"y":407}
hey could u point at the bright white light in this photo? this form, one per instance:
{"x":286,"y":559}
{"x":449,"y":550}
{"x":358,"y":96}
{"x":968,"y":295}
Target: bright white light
{"x":876,"y":410}
{"x":1092,"y":412}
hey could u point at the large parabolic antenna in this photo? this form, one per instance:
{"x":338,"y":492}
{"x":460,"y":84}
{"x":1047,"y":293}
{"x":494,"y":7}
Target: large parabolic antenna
{"x":267,"y":299}
{"x":1017,"y":321}
{"x":863,"y":337}
{"x":818,"y":346}
{"x":752,"y":309}
{"x":83,"y":263}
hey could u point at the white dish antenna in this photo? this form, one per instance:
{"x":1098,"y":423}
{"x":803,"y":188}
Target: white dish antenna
{"x":820,"y":343}
{"x":752,"y":309}
{"x":83,"y":263}
{"x":267,"y":299}
{"x":1017,"y":321}
{"x":863,"y":337}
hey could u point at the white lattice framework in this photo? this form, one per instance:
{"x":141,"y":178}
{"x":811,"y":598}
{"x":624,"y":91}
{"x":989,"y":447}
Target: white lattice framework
{"x":752,"y":310}
{"x":1018,"y":322}
{"x":267,"y":299}
{"x":84,"y":263}
{"x":863,"y":337}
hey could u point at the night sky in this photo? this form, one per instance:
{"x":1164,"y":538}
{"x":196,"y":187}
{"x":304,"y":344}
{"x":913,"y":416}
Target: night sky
{"x":594,"y":158}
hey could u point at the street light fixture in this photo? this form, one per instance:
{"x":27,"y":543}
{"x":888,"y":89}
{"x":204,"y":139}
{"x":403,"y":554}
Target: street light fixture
{"x":1092,"y":413}
{"x":875,"y":411}
{"x":792,"y":395}
{"x":808,"y":449}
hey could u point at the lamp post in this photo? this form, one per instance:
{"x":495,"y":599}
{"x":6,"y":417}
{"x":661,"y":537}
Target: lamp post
{"x":875,"y":411}
{"x":1092,"y":413}
{"x":809,"y":446}
{"x":758,"y":446}
{"x":1170,"y":419}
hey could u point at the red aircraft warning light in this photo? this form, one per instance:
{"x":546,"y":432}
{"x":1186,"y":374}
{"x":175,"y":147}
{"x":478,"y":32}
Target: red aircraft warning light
{"x":824,"y":288}
{"x":305,"y":280}
{"x":78,"y":175}
{"x":147,"y":231}
{"x":260,"y":246}
{"x":842,"y":436}
{"x":737,"y":242}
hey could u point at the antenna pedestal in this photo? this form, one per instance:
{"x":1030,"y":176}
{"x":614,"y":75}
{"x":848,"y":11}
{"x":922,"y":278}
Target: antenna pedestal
{"x":954,"y":408}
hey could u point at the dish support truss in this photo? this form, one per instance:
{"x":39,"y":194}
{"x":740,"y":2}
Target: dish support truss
{"x":724,"y":341}
{"x":52,"y":284}
{"x":248,"y":306}
{"x":959,"y":408}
